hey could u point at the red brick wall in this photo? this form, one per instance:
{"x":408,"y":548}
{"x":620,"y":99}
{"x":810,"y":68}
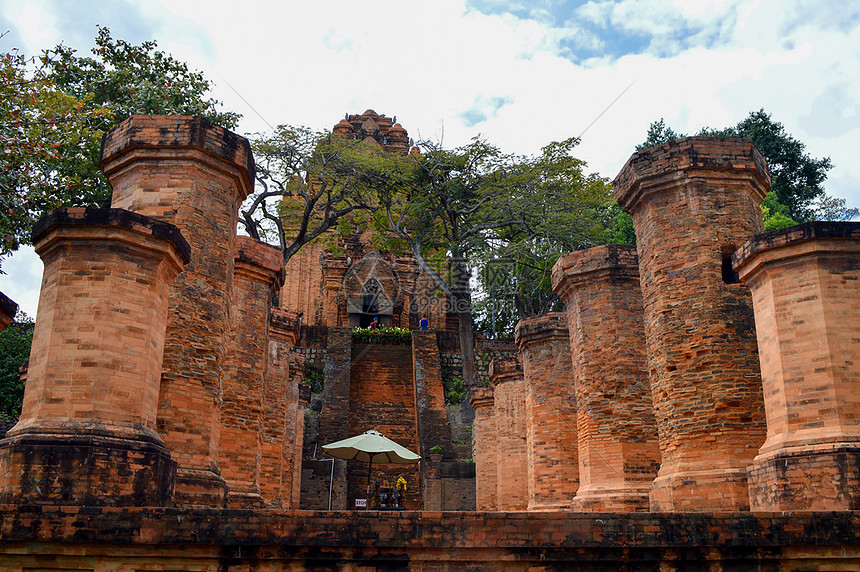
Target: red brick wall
{"x":618,"y":448}
{"x":553,"y":466}
{"x":382,"y":397}
{"x":805,"y":282}
{"x":195,"y":175}
{"x":512,"y":454}
{"x":693,"y":202}
{"x":486,"y":437}
{"x":87,"y":429}
{"x":257,"y":275}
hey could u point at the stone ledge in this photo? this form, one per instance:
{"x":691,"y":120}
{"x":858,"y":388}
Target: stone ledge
{"x":112,"y":217}
{"x":793,"y":235}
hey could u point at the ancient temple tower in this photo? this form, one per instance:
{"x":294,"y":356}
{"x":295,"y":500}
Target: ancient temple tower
{"x":694,"y":201}
{"x":512,"y":492}
{"x":191,"y":173}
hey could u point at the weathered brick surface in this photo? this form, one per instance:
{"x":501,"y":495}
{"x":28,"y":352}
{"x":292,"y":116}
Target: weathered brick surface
{"x":431,"y":416}
{"x":195,"y":175}
{"x":805,"y":282}
{"x":693,"y":202}
{"x":553,"y":466}
{"x":618,"y":447}
{"x":509,"y":405}
{"x":294,"y":464}
{"x":485,"y":437}
{"x":8,"y":309}
{"x":257,"y":275}
{"x":86,"y":433}
{"x":64,"y":538}
{"x":382,"y":397}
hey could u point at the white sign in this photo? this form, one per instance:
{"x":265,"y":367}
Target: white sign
{"x":361,"y":503}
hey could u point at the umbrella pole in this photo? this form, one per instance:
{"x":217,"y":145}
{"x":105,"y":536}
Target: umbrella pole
{"x":369,"y":467}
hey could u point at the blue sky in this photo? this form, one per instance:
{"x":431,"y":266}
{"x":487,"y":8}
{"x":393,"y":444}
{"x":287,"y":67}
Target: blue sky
{"x":519,"y":73}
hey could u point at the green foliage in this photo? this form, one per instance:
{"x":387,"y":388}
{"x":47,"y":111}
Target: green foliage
{"x":386,"y":336}
{"x":796,"y":178}
{"x":775,"y":214}
{"x":310,"y":187}
{"x":436,"y":450}
{"x":54,"y":110}
{"x":620,"y":230}
{"x":455,"y":388}
{"x":315,"y":379}
{"x":15,"y":342}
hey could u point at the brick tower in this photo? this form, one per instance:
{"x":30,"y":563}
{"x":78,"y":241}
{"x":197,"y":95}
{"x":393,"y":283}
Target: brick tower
{"x":694,"y":201}
{"x":193,"y":174}
{"x":553,"y":466}
{"x":87,"y":431}
{"x":805,"y":282}
{"x":618,"y":450}
{"x":485,"y":439}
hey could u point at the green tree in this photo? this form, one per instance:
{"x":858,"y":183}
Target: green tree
{"x":15,"y":343}
{"x":308,"y":188}
{"x":54,"y":110}
{"x":797,"y":193}
{"x":452,"y":207}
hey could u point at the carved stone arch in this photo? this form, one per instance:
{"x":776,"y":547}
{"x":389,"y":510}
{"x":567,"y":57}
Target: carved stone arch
{"x":371,"y":288}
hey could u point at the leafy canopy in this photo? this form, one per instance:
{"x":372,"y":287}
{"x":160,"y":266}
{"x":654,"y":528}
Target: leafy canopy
{"x":54,"y":110}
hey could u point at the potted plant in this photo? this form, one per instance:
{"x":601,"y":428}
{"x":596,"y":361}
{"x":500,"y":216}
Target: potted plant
{"x":436,"y":453}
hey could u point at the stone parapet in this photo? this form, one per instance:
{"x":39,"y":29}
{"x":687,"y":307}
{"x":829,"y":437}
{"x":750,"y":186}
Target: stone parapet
{"x":87,"y":431}
{"x":618,"y":447}
{"x":552,"y":448}
{"x":694,"y":201}
{"x":805,"y":283}
{"x":509,"y":407}
{"x":193,"y":174}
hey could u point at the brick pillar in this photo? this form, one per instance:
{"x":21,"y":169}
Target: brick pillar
{"x":258,"y":274}
{"x":805,"y":282}
{"x":86,"y":434}
{"x":280,"y":401}
{"x":8,"y":309}
{"x":509,"y":404}
{"x":304,"y":399}
{"x":694,"y":201}
{"x":486,"y":448}
{"x":618,"y":448}
{"x":553,"y":468}
{"x":195,"y":175}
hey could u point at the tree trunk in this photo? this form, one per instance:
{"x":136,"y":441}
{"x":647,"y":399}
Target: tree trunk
{"x":462,"y":300}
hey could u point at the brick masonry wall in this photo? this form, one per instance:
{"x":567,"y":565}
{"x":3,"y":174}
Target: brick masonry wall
{"x":618,"y":446}
{"x":485,"y":436}
{"x":193,"y":174}
{"x":89,"y":411}
{"x":509,"y":399}
{"x":805,"y":283}
{"x":693,"y":202}
{"x":128,"y":540}
{"x":258,"y":273}
{"x":382,"y":397}
{"x":552,"y":447}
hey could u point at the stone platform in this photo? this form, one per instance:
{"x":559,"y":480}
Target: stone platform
{"x":106,"y":538}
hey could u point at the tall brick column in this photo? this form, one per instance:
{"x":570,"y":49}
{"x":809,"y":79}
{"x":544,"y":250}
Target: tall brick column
{"x":805,"y":282}
{"x":694,"y":201}
{"x":86,"y":434}
{"x":509,"y":400}
{"x":486,"y":449}
{"x":304,"y":400}
{"x":195,"y":175}
{"x":618,"y":449}
{"x":258,"y":274}
{"x":280,"y":401}
{"x":553,"y":466}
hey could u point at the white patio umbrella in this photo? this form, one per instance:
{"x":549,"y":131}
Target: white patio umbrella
{"x":369,"y":447}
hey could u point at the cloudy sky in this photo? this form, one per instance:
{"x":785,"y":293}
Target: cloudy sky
{"x":521,"y":73}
